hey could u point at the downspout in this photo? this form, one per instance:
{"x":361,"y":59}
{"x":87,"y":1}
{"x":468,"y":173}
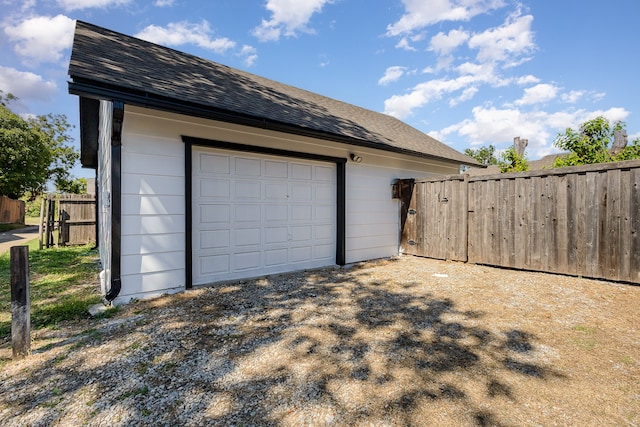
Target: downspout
{"x":116,"y":199}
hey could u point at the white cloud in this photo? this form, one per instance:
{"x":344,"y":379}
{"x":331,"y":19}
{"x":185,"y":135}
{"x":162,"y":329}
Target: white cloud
{"x":163,"y":3}
{"x":86,"y":4}
{"x":392,"y":74}
{"x":288,"y":17}
{"x":537,"y":94}
{"x":508,"y":43}
{"x":26,"y":85}
{"x":634,"y":136}
{"x":180,"y":33}
{"x":404,"y":44}
{"x":525,"y":80}
{"x":573,"y":96}
{"x":423,"y":13}
{"x":443,"y":43}
{"x":496,"y":126}
{"x":42,"y":38}
{"x":250,"y":54}
{"x":471,"y":76}
{"x":401,"y":106}
{"x":466,"y":95}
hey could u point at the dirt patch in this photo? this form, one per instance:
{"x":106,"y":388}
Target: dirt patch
{"x":408,"y":341}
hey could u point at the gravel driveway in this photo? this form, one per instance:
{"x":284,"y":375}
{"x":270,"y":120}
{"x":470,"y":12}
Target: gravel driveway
{"x":400,"y":342}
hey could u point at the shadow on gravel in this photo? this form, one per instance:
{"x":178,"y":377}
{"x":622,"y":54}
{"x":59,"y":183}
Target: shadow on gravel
{"x":331,"y":347}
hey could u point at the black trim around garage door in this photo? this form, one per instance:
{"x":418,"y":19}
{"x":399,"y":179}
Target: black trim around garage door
{"x":189,"y":142}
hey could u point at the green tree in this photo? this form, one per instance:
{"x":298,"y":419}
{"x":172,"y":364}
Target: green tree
{"x":33,"y":151}
{"x":76,"y":186}
{"x":590,"y":144}
{"x":484,"y":155}
{"x":512,"y":162}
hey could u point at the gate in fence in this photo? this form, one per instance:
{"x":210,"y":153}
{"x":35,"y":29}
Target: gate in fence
{"x":73,"y":215}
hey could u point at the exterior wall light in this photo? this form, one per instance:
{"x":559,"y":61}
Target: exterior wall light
{"x":356,"y":158}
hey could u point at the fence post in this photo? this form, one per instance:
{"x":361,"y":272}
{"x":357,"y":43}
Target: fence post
{"x":40,"y":227}
{"x":20,"y":304}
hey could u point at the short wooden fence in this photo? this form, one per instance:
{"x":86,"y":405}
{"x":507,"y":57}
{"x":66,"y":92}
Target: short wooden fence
{"x":73,"y":215}
{"x":11,"y":211}
{"x":582,"y":221}
{"x":77,"y":219}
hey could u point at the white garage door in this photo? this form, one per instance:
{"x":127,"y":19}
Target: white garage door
{"x":255,"y":214}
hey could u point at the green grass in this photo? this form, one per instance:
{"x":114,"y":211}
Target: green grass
{"x":62,"y":285}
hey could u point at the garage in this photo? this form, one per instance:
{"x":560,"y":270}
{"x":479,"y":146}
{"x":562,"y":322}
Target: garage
{"x":255,"y":214}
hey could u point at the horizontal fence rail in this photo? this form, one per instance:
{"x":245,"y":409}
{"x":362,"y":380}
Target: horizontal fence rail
{"x":582,"y":221}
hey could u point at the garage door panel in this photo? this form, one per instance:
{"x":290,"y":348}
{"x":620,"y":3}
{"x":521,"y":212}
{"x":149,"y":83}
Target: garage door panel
{"x":301,"y":233}
{"x":325,"y":213}
{"x":276,"y":213}
{"x":247,"y":236}
{"x":276,"y":169}
{"x":275,"y":257}
{"x":215,"y":214}
{"x":301,"y":171}
{"x":276,"y":191}
{"x":247,"y":190}
{"x":323,"y":232}
{"x":214,"y":239}
{"x":247,"y":213}
{"x":302,"y":213}
{"x":215,"y":264}
{"x":301,"y":192}
{"x":323,"y":251}
{"x":260,"y":214}
{"x":214,"y":188}
{"x":301,"y":253}
{"x":214,"y":163}
{"x":247,"y":260}
{"x":247,"y":166}
{"x":325,"y":193}
{"x":324,"y":173}
{"x":276,"y":235}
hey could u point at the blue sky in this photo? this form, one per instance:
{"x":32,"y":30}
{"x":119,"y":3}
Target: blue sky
{"x":468,"y":72}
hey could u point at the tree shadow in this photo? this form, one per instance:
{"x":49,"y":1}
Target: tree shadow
{"x":329,"y":347}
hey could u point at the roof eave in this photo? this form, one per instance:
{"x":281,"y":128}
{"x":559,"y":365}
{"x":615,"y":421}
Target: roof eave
{"x":97,"y":90}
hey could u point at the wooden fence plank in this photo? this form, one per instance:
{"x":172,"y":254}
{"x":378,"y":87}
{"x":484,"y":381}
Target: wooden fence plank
{"x":612,"y":262}
{"x":472,"y":226}
{"x":635,"y":226}
{"x":591,"y":225}
{"x":624,"y":246}
{"x":562,"y":224}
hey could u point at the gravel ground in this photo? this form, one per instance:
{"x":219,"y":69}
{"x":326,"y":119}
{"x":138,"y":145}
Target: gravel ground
{"x":401,"y":342}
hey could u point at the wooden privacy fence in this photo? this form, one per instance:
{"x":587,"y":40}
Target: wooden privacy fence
{"x":582,"y":221}
{"x":11,"y":211}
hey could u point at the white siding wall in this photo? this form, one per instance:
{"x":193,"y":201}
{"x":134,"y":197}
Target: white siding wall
{"x":153,"y":212}
{"x":153,"y":217}
{"x":104,"y":193}
{"x":372,"y":217}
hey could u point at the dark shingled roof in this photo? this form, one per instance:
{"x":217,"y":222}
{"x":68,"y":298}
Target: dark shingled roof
{"x":105,"y":62}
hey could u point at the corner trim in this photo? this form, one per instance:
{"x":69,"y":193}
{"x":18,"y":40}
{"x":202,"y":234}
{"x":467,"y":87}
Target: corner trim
{"x":117,"y":120}
{"x":188,"y":218}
